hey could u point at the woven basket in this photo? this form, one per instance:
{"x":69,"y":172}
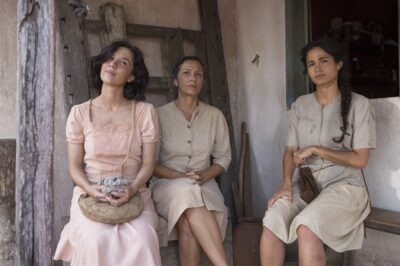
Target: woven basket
{"x":104,"y":212}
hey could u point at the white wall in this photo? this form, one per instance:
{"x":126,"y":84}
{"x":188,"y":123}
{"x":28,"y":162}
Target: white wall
{"x":8,"y":69}
{"x":383,"y":179}
{"x":261,"y":96}
{"x":383,"y":171}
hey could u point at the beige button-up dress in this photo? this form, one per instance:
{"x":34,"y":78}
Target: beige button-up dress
{"x":190,"y":144}
{"x":336,"y":216}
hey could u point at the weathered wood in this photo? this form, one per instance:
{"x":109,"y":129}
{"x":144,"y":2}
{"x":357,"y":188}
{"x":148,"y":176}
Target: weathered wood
{"x":171,"y":52}
{"x":114,"y":19}
{"x":35,"y":137}
{"x":217,"y":81}
{"x":384,"y":220}
{"x":158,"y":84}
{"x":74,"y":57}
{"x":7,"y":202}
{"x":201,"y":52}
{"x":97,"y":26}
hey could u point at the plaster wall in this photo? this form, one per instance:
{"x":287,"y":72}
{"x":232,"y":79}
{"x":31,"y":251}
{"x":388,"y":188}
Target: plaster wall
{"x":383,"y":171}
{"x":383,"y":180}
{"x":261,"y":93}
{"x":8,"y":69}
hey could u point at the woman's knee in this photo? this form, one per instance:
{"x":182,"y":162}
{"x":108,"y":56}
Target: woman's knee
{"x":305,"y":234}
{"x":268,"y":236}
{"x":193,"y":213}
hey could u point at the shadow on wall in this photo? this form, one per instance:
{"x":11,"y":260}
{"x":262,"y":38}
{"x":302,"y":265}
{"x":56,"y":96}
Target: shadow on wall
{"x":266,"y":176}
{"x":383,"y":171}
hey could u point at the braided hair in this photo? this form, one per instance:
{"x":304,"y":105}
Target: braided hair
{"x":333,"y":48}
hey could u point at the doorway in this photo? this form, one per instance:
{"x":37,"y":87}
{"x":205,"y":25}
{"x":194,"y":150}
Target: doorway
{"x":368,"y":31}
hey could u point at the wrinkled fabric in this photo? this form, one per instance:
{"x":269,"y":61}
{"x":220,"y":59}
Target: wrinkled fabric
{"x":336,"y":216}
{"x":106,"y":138}
{"x":190,"y":144}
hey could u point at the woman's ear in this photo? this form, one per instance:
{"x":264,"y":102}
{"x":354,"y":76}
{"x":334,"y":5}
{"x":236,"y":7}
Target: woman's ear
{"x":131,"y":78}
{"x":339,"y":65}
{"x":176,"y":82}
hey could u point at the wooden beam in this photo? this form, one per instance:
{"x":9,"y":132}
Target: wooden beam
{"x":35,"y":137}
{"x":7,"y":201}
{"x":171,"y":52}
{"x":160,"y":84}
{"x":74,"y":57}
{"x":114,"y":19}
{"x":218,"y":84}
{"x":97,"y":26}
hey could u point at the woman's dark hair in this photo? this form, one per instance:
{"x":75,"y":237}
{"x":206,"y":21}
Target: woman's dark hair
{"x":333,"y":48}
{"x":132,"y":90}
{"x":178,"y":64}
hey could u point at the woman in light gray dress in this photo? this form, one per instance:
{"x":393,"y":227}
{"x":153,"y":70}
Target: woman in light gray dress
{"x":331,"y":131}
{"x":194,"y":149}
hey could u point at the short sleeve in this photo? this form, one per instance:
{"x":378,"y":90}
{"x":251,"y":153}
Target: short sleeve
{"x":221,"y":153}
{"x":292,"y":140}
{"x":148,"y":124}
{"x":74,"y":127}
{"x":364,"y":132}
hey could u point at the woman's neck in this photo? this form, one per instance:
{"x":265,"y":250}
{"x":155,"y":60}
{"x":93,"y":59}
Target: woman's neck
{"x":327,"y":95}
{"x":112,"y":98}
{"x":187,"y":105}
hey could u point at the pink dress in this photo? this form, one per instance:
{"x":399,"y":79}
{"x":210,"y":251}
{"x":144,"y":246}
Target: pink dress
{"x":105,"y":136}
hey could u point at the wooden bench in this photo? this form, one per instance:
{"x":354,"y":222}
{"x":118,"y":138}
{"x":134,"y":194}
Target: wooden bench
{"x":384,"y":220}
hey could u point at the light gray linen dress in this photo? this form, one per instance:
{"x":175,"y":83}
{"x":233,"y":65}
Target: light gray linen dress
{"x":190,"y":144}
{"x":336,"y":216}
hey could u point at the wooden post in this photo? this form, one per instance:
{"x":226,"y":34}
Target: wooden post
{"x":171,"y":52}
{"x":35,"y":137}
{"x":74,"y":57}
{"x":7,"y":202}
{"x":218,"y":84}
{"x":114,"y":18}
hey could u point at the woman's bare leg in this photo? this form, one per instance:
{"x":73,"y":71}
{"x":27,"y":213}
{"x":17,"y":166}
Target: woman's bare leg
{"x":272,"y":249}
{"x":205,"y":228}
{"x":189,"y":248}
{"x":311,"y":248}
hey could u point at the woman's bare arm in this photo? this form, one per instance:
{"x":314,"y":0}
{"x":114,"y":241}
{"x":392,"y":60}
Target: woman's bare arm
{"x":356,"y":158}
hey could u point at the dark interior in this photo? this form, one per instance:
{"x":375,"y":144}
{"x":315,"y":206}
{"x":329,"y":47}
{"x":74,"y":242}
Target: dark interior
{"x":368,"y":31}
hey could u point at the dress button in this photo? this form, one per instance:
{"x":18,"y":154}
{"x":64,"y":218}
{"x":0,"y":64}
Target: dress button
{"x":190,"y":157}
{"x":189,"y":126}
{"x":189,"y":142}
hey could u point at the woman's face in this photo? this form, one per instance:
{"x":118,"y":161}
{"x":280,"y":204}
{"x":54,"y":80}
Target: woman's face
{"x":117,"y":70}
{"x":322,"y":68}
{"x":190,"y":78}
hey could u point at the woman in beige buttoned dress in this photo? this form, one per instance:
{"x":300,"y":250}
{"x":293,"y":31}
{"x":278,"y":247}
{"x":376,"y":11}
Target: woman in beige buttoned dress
{"x":331,"y":131}
{"x":194,"y":149}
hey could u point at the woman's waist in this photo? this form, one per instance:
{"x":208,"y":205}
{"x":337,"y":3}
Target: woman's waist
{"x":95,"y":176}
{"x":186,"y":165}
{"x":332,"y":173}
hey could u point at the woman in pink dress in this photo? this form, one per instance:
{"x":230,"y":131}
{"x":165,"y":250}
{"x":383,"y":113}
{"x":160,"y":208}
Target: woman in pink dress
{"x":114,"y":134}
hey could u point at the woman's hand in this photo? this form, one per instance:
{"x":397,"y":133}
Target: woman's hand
{"x":196,"y":175}
{"x":283,"y":191}
{"x":119,"y":198}
{"x":301,"y":155}
{"x":95,"y":192}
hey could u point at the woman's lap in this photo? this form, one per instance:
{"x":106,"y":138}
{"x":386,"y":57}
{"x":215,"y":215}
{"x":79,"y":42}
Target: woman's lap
{"x":336,"y":216}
